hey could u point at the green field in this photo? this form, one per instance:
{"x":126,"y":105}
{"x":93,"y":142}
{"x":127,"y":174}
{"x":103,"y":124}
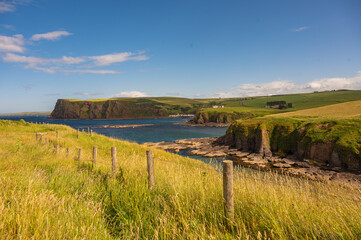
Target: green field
{"x":255,"y":105}
{"x":308,"y":100}
{"x":49,"y":196}
{"x":341,"y":110}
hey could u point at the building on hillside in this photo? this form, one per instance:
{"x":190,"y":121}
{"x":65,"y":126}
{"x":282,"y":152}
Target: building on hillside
{"x":218,"y":106}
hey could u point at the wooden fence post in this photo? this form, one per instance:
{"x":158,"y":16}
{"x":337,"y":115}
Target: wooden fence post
{"x":67,"y":152}
{"x":228,"y":191}
{"x":77,"y":133}
{"x":114,"y":160}
{"x":95,"y":155}
{"x":57,"y":134}
{"x":91,"y":132}
{"x":88,"y":129}
{"x":79,"y":155}
{"x":150,"y":166}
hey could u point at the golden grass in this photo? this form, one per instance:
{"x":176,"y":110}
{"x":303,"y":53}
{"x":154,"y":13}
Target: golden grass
{"x":341,"y":110}
{"x":48,"y":196}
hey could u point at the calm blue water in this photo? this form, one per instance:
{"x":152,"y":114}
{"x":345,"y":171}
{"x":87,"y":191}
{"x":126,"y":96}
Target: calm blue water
{"x":155,"y":133}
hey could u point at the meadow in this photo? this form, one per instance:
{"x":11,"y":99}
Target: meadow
{"x":45,"y":195}
{"x":254,"y":106}
{"x":342,"y":110}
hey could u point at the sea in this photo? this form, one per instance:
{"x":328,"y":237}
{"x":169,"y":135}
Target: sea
{"x":162,"y":130}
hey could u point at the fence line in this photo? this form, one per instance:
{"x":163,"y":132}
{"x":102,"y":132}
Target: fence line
{"x":228,"y":188}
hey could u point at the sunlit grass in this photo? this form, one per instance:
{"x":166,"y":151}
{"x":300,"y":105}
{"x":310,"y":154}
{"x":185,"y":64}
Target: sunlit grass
{"x":44,"y":195}
{"x":341,"y":110}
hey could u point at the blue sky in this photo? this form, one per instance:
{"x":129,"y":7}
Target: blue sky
{"x":100,"y":49}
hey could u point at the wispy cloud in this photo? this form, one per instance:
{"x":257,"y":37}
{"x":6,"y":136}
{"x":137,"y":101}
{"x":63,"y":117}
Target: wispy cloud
{"x":288,"y":87}
{"x":300,"y":29}
{"x":15,"y":44}
{"x":55,"y":35}
{"x":12,"y":44}
{"x":10,"y":5}
{"x":109,"y":59}
{"x":6,"y":7}
{"x":130,"y":94}
{"x":93,"y":71}
{"x":199,"y":95}
{"x":8,"y":26}
{"x":39,"y":63}
{"x":87,"y":94}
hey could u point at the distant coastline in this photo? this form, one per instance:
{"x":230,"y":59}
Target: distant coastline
{"x":26,"y":114}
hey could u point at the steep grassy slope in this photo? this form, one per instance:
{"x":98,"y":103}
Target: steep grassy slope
{"x":327,"y":135}
{"x":229,"y":114}
{"x":47,"y":195}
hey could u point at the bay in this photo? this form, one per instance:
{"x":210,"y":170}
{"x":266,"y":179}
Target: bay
{"x":162,"y":130}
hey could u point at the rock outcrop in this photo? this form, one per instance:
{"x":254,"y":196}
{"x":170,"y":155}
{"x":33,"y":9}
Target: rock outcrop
{"x":211,"y":148}
{"x":334,"y":144}
{"x":112,"y":109}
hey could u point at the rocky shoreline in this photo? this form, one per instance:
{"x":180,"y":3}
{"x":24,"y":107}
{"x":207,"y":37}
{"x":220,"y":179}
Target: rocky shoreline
{"x":124,"y":126}
{"x":290,"y":165}
{"x":191,"y":123}
{"x":187,"y":124}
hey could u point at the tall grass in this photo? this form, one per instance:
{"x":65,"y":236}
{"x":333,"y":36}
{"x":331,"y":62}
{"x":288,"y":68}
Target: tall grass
{"x":44,"y":195}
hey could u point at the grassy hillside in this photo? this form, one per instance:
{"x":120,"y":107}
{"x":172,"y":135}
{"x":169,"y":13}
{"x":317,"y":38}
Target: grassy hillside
{"x":308,"y":100}
{"x":341,"y":110}
{"x":233,"y":109}
{"x":328,"y":135}
{"x":47,"y":195}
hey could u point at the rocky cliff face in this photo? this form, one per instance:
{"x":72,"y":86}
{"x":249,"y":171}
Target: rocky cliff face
{"x":220,"y":117}
{"x":322,"y":143}
{"x":110,"y":109}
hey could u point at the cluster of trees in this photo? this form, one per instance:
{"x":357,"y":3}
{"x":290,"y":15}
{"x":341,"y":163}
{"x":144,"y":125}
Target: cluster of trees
{"x":279,"y":104}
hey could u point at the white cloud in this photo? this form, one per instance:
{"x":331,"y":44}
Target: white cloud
{"x":93,"y":71}
{"x":300,"y":29}
{"x":6,"y":7}
{"x":288,"y":87}
{"x":108,"y":59}
{"x":38,"y":63}
{"x":55,"y":35}
{"x":11,"y":57}
{"x":87,"y":93}
{"x":72,"y":60}
{"x":15,"y":44}
{"x":12,"y":44}
{"x":130,"y":94}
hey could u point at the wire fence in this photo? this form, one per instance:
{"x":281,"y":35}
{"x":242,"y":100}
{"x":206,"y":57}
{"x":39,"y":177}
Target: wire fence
{"x":216,"y":170}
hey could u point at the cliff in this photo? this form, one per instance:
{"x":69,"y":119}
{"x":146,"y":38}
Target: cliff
{"x":114,"y":109}
{"x":322,"y":142}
